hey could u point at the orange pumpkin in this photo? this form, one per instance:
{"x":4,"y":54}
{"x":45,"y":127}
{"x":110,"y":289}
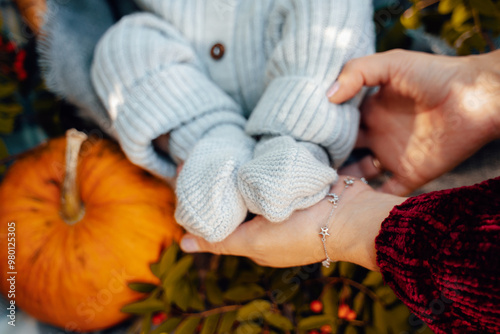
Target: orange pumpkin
{"x":79,"y":239}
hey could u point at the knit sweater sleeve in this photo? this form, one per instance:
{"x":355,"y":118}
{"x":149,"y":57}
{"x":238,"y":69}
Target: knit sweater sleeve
{"x":307,"y":43}
{"x":440,"y":252}
{"x":151,"y":83}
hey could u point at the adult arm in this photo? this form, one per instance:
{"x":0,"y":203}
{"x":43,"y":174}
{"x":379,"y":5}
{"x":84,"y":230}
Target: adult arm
{"x":435,"y":249}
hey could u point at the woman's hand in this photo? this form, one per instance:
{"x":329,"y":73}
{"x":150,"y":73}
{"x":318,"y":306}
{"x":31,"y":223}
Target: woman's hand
{"x":352,"y":229}
{"x":430,"y":114}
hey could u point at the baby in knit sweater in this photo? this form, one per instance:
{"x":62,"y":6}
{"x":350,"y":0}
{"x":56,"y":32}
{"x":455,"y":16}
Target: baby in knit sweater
{"x":239,"y":87}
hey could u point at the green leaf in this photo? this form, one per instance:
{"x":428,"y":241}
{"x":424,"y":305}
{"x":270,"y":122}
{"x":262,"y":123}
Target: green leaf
{"x":196,"y":302}
{"x":213,"y":292}
{"x":182,"y":294}
{"x":248,"y":328}
{"x":373,"y":279}
{"x":253,"y":310}
{"x":178,"y":270}
{"x":359,"y":302}
{"x":166,"y":262}
{"x":210,"y":324}
{"x":460,"y":15}
{"x":188,"y":326}
{"x":315,"y":322}
{"x":227,"y":323}
{"x":244,"y":292}
{"x":142,"y":287}
{"x":447,"y":6}
{"x":167,"y":326}
{"x":330,"y":300}
{"x":145,"y":306}
{"x":278,"y":321}
{"x":229,"y":266}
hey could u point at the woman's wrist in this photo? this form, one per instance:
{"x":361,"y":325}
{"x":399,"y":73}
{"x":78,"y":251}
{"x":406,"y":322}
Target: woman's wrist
{"x":357,"y":223}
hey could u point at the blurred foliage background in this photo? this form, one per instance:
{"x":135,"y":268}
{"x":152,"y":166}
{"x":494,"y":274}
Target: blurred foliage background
{"x":353,"y":300}
{"x":454,"y":27}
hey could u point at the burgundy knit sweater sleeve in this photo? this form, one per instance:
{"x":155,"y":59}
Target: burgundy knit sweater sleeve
{"x":440,"y":253}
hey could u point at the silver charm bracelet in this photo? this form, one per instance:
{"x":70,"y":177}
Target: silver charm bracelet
{"x":335,"y":199}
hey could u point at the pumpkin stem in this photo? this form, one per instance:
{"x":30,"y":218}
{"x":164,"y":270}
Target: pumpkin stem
{"x":72,"y":209}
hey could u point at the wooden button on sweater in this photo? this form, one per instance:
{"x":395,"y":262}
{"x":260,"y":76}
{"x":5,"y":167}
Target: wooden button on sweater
{"x":217,"y":51}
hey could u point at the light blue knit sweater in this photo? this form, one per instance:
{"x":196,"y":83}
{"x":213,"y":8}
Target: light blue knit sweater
{"x":154,"y":73}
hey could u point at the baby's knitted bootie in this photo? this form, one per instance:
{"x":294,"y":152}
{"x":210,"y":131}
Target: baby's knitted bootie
{"x":284,"y":176}
{"x":209,"y":202}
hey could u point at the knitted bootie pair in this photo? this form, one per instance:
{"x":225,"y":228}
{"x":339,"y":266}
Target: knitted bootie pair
{"x":224,"y":176}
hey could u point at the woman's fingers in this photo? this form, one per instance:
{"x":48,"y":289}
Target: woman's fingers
{"x":373,"y":70}
{"x":366,"y":167}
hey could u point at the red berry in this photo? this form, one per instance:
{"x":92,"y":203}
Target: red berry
{"x":351,"y":315}
{"x":343,"y":311}
{"x":326,"y":329}
{"x":314,"y":332}
{"x":316,"y":306}
{"x":158,"y":318}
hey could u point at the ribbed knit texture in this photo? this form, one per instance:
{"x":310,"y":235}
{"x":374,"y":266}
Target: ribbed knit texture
{"x":440,"y":252}
{"x":154,"y":73}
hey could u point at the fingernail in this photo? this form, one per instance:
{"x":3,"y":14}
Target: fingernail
{"x":333,"y":89}
{"x":189,"y":245}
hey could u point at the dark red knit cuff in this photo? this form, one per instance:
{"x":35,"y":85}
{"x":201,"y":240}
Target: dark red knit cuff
{"x":440,"y":252}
